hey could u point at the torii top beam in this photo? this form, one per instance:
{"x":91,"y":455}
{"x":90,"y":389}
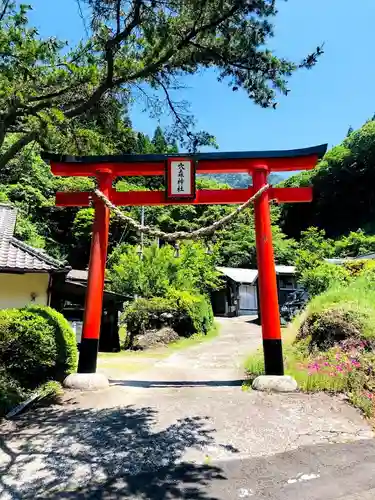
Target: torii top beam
{"x":207,"y":163}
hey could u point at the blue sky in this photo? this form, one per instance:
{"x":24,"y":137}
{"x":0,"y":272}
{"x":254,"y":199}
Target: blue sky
{"x":324,"y":102}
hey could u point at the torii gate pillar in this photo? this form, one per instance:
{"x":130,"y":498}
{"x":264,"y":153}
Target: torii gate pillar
{"x":267,"y":281}
{"x":95,"y":285}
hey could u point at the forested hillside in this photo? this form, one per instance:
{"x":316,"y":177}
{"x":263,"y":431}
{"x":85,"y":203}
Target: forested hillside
{"x":343,"y":184}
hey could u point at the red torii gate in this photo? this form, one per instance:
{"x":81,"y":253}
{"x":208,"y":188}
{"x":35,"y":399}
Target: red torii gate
{"x":258,"y":164}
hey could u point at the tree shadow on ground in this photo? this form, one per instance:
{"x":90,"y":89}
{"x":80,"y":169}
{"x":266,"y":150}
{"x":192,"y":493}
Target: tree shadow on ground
{"x":162,"y":384}
{"x":103,"y":454}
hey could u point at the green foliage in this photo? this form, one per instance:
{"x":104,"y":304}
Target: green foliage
{"x":11,"y":392}
{"x":160,"y":269}
{"x":36,"y":344}
{"x":50,"y":391}
{"x":355,"y":244}
{"x":240,"y":180}
{"x":342,"y":199}
{"x":347,"y":368}
{"x":314,"y":274}
{"x":197,"y":308}
{"x":316,"y":280}
{"x":331,"y":344}
{"x":28,"y":350}
{"x":51,"y":92}
{"x":360,"y":268}
{"x":66,"y":342}
{"x":298,"y":366}
{"x":28,"y":232}
{"x":312,"y":249}
{"x":327,"y":327}
{"x":236,"y":242}
{"x":340,"y":312}
{"x":185,"y":313}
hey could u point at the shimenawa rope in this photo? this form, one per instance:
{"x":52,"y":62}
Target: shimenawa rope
{"x":180,"y":235}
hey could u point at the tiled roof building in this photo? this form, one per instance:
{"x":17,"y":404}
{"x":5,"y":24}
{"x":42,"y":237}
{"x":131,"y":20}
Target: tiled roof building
{"x":15,"y":255}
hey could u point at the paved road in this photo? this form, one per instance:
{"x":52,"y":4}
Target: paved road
{"x":184,"y":428}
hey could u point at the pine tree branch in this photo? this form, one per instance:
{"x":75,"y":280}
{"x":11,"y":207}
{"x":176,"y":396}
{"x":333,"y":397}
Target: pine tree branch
{"x":173,"y":108}
{"x":52,"y":95}
{"x":5,"y":8}
{"x":16,"y":147}
{"x":118,"y":16}
{"x":110,"y":48}
{"x":154,"y":67}
{"x":109,"y":82}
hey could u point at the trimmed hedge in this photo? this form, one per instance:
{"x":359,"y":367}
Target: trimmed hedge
{"x":36,"y":344}
{"x":66,"y":341}
{"x":185,"y":313}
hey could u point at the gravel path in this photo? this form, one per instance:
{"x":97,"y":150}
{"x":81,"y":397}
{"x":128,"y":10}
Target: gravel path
{"x":183,"y":428}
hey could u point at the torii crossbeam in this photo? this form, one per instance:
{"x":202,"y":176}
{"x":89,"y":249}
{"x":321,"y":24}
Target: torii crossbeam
{"x":179,"y":171}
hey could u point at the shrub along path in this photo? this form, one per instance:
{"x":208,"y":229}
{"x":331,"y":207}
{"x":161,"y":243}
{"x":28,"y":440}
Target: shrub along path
{"x":184,"y":428}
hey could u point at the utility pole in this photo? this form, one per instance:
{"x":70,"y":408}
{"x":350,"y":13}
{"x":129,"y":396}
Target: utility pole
{"x":143,"y":223}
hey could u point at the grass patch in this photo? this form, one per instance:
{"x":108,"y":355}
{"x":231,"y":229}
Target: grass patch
{"x":331,"y":345}
{"x":313,"y":373}
{"x":356,"y":300}
{"x":124,"y":366}
{"x":346,"y":368}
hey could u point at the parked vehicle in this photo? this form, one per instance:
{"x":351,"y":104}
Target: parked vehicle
{"x":295,"y":303}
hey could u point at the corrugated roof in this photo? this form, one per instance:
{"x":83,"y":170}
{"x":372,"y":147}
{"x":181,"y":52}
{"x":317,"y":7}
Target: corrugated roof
{"x":80,"y":276}
{"x":366,"y":256}
{"x":241,"y":275}
{"x":15,"y":255}
{"x":338,"y":261}
{"x":285,"y":269}
{"x":77,"y":275}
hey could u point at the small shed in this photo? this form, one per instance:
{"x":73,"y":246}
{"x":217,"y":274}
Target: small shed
{"x":239,"y":295}
{"x":69,"y":297}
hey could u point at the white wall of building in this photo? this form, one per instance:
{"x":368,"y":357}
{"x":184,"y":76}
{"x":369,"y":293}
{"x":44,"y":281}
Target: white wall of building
{"x":18,"y":290}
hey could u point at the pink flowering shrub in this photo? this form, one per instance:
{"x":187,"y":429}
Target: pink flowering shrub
{"x":348,"y":367}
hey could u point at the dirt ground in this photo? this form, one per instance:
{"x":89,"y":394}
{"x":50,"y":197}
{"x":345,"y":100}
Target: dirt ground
{"x":183,"y":427}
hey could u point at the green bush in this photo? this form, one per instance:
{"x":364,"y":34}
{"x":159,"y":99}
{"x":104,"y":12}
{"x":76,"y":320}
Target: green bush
{"x":66,"y":341}
{"x":197,"y":310}
{"x":36,"y":345}
{"x":317,"y":280}
{"x":185,"y":313}
{"x":325,"y":329}
{"x":343,"y":311}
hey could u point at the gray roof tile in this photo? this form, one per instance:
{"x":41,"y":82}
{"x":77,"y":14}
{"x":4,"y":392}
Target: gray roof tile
{"x":15,"y":254}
